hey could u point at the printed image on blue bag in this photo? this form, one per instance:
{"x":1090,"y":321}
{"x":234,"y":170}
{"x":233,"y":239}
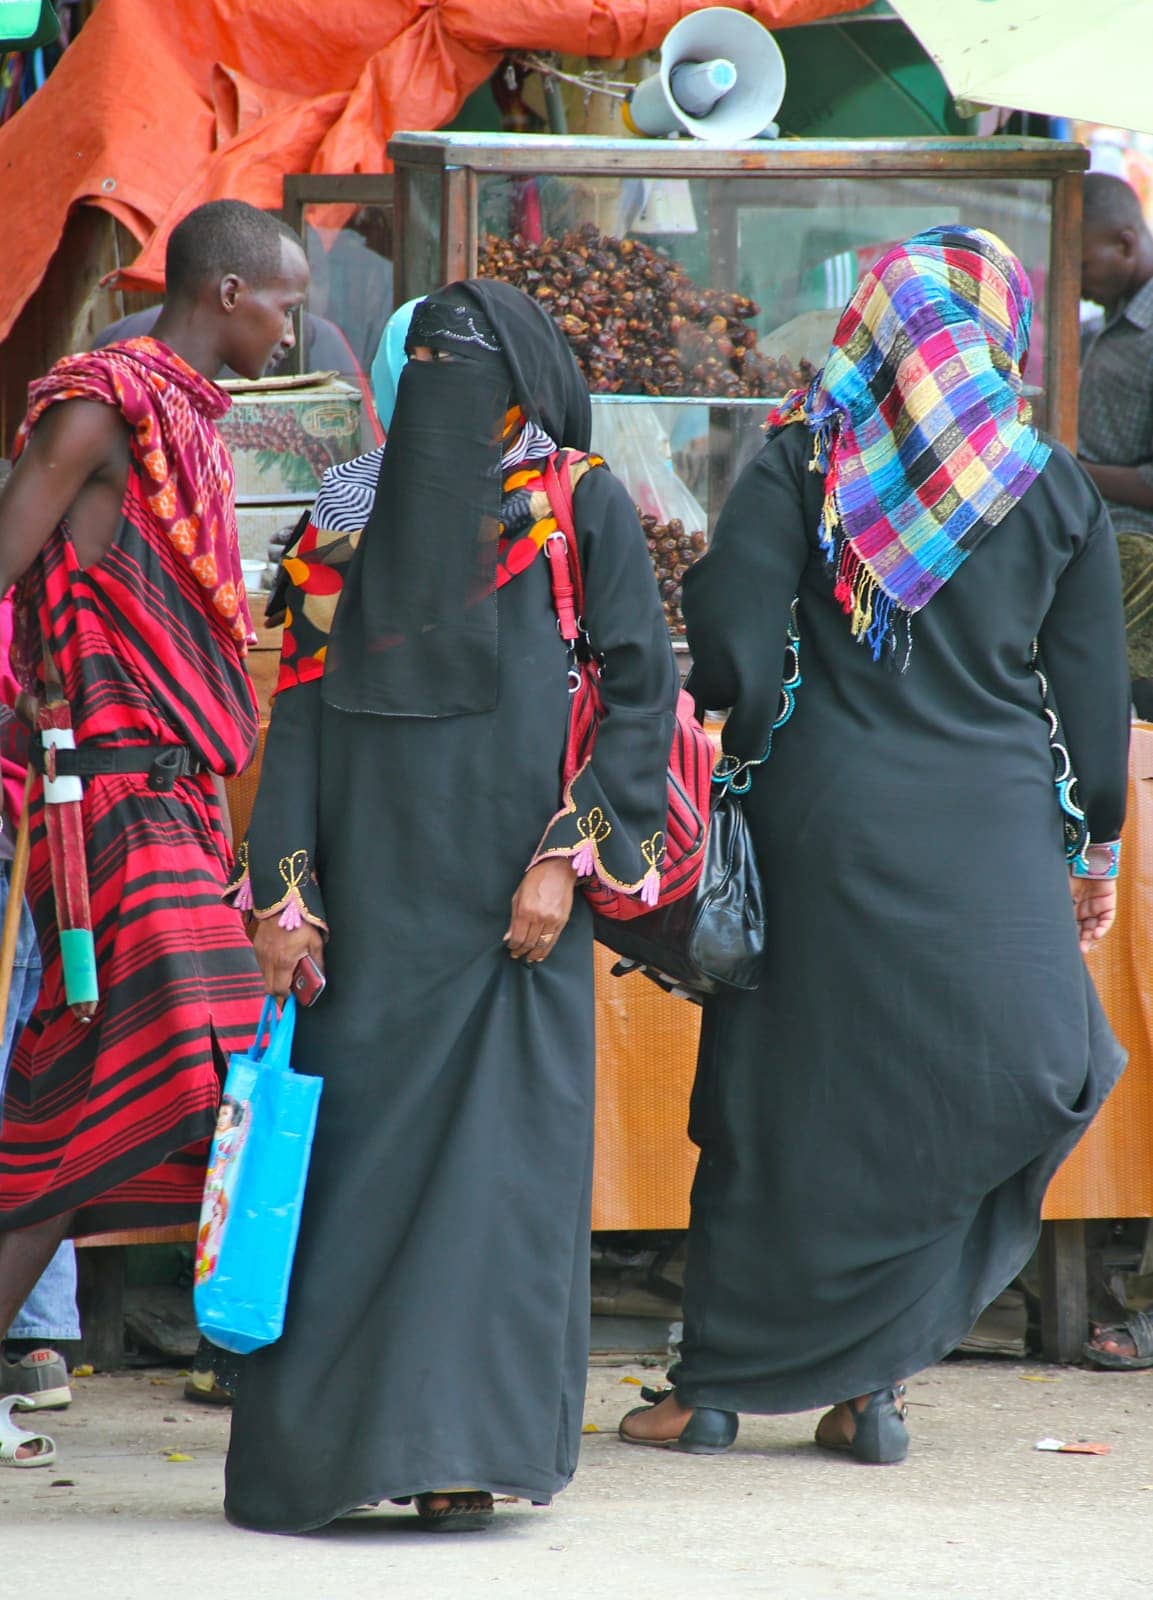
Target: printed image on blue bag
{"x":232,"y":1127}
{"x":254,"y":1190}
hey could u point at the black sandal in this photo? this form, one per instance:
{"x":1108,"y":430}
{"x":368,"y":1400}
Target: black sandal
{"x":708,"y":1432}
{"x":881,"y":1438}
{"x":1139,"y":1329}
{"x":467,"y":1511}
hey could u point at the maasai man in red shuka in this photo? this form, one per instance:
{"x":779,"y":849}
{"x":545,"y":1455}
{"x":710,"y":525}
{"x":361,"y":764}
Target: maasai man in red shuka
{"x":119,"y":522}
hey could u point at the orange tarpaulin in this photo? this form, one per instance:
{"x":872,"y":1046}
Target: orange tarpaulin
{"x":156,"y":108}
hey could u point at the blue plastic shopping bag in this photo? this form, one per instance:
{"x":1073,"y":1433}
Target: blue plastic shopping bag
{"x":255,"y":1190}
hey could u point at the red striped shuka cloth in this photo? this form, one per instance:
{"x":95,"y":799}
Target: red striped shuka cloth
{"x":111,"y":1119}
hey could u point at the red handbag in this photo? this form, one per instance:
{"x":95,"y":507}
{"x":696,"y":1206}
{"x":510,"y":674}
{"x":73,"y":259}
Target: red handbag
{"x":691,"y":757}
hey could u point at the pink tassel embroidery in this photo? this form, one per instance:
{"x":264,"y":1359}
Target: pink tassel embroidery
{"x":243,"y":900}
{"x":584,"y":861}
{"x":651,"y":887}
{"x":290,"y":917}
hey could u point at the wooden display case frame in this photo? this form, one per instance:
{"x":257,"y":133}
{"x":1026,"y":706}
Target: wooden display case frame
{"x":304,"y":189}
{"x":460,"y":161}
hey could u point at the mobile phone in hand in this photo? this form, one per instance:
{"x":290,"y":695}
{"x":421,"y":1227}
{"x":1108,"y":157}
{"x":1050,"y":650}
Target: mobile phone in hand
{"x":307,"y":982}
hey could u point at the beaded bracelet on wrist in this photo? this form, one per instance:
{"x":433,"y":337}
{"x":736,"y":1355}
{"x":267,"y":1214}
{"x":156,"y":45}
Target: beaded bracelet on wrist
{"x":1098,"y":860}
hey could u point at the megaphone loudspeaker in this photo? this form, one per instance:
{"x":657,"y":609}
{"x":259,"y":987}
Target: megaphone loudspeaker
{"x":722,"y":79}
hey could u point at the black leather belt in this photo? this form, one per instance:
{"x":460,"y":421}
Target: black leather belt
{"x":164,"y":763}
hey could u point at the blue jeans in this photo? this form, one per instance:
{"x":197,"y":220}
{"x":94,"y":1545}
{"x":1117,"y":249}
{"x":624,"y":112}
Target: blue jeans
{"x":50,"y":1310}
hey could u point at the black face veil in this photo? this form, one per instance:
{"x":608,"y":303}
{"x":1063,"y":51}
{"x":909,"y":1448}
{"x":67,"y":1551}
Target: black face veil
{"x":415,"y":634}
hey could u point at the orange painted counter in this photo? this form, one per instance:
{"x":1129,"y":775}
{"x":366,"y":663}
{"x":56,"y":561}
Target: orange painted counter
{"x":1110,"y":1174}
{"x":647,"y":1049}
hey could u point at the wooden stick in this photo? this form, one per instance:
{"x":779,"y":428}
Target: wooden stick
{"x":17,"y":878}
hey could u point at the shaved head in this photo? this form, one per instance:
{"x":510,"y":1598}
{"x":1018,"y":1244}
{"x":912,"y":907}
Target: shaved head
{"x":221,"y":237}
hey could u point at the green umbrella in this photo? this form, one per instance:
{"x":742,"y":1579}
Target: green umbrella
{"x":864,"y":76}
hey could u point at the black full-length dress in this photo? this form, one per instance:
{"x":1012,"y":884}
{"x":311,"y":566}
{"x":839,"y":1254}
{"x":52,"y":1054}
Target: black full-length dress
{"x":437,"y":1327}
{"x":878,"y":1121}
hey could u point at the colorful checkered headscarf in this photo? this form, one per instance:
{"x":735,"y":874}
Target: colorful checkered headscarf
{"x":919,"y":422}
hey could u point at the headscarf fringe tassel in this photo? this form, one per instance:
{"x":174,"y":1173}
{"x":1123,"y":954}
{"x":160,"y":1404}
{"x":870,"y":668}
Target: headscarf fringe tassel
{"x":875,"y":618}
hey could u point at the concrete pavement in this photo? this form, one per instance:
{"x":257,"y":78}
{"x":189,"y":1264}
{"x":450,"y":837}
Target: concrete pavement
{"x":976,"y":1512}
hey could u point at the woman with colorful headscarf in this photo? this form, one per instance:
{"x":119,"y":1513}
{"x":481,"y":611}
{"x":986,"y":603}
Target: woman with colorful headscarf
{"x":879,"y":1120}
{"x":410,"y":833}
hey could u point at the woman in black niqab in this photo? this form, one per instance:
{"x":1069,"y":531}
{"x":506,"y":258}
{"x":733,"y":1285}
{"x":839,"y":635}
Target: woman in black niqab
{"x":411,"y":833}
{"x":416,"y":634}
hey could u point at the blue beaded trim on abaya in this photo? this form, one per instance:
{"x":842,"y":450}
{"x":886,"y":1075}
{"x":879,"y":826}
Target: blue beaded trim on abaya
{"x":1064,"y":778}
{"x":737,"y":776}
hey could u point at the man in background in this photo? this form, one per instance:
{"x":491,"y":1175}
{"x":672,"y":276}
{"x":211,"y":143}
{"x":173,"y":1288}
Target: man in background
{"x":1116,"y":449}
{"x":1115,"y":443}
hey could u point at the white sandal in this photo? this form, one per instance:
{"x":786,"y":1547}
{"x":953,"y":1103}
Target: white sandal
{"x":13,"y":1438}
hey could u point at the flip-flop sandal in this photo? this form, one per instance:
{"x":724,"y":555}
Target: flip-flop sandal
{"x":1139,"y":1328}
{"x":13,"y":1438}
{"x":461,"y":1515}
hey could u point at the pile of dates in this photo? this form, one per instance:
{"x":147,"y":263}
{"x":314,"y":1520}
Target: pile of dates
{"x":673,"y":552}
{"x":637,"y":322}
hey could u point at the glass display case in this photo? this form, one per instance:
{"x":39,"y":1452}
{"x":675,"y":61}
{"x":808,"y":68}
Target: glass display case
{"x":346,"y":223}
{"x":696,"y":285}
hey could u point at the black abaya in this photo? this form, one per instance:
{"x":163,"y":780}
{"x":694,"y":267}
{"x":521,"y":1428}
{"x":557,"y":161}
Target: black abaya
{"x":438,"y":1321}
{"x":878,"y":1121}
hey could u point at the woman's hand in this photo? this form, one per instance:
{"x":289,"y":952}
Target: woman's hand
{"x":279,"y":949}
{"x":540,"y":909}
{"x":1094,"y":906}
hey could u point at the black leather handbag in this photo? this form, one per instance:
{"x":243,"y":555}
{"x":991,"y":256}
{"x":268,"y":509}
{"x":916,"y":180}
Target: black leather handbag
{"x":713,"y":938}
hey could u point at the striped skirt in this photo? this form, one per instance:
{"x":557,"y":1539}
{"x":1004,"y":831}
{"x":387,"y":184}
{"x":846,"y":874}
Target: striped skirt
{"x":111,"y":1119}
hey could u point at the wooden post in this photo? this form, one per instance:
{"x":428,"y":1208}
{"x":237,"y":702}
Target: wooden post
{"x":101,"y":1298}
{"x":1064,"y":297}
{"x":1064,"y":1291}
{"x":458,"y":241}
